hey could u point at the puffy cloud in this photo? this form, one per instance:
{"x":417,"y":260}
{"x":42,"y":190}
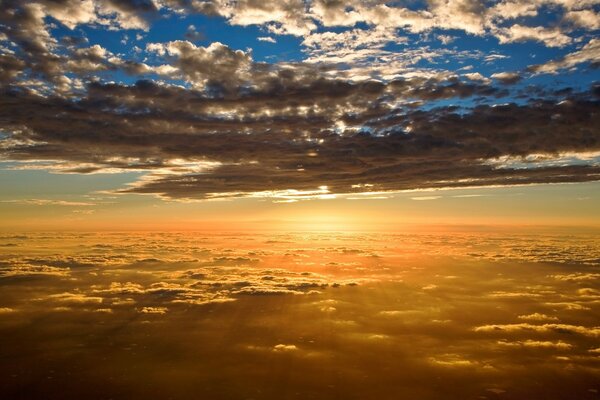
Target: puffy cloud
{"x":130,"y":14}
{"x":215,"y":65}
{"x":508,"y":9}
{"x":476,"y":76}
{"x":268,"y":39}
{"x":71,"y":13}
{"x":288,"y":127}
{"x":353,"y":112}
{"x":281,"y":17}
{"x":589,"y":53}
{"x":587,"y":19}
{"x":508,"y":78}
{"x":468,"y":15}
{"x":24,"y":23}
{"x":551,"y":37}
{"x":537,"y":317}
{"x":10,"y":67}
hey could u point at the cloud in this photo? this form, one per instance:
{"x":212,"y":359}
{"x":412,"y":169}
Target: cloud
{"x":397,"y":151}
{"x":177,"y":279}
{"x":50,"y":202}
{"x":73,"y":298}
{"x":207,"y":122}
{"x":544,"y":328}
{"x":587,"y":19}
{"x":476,"y":76}
{"x":425,"y":198}
{"x":507,"y":78}
{"x":595,"y":351}
{"x":193,"y":35}
{"x":589,"y":53}
{"x":577,"y":277}
{"x":215,"y":65}
{"x":559,"y":345}
{"x":446,"y":39}
{"x":352,"y":46}
{"x":537,"y":317}
{"x":452,"y":361}
{"x":153,"y":310}
{"x":122,"y":288}
{"x":16,"y":269}
{"x":268,"y":39}
{"x":551,"y":37}
{"x":24,"y":24}
{"x":285,"y":348}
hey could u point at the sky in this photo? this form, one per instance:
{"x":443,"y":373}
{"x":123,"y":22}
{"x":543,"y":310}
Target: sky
{"x":300,"y":199}
{"x":324,"y":114}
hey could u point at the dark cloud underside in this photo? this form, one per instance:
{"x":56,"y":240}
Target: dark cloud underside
{"x":211,"y":121}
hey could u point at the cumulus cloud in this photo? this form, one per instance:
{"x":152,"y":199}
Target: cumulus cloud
{"x":355,"y":115}
{"x":537,"y":317}
{"x":551,"y":37}
{"x":216,"y":65}
{"x":589,"y":53}
{"x":507,"y":77}
{"x":588,"y":19}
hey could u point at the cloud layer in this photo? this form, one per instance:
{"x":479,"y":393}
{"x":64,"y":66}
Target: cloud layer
{"x":493,"y":312}
{"x":207,"y":120}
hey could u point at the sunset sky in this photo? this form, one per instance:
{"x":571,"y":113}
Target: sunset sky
{"x":175,"y":114}
{"x":300,"y":199}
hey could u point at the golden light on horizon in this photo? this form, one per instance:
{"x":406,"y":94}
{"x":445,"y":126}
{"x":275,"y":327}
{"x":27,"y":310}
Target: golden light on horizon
{"x":299,"y":200}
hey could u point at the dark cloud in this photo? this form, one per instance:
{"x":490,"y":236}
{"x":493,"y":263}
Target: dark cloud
{"x":225,"y":125}
{"x":286,"y":134}
{"x":215,"y":65}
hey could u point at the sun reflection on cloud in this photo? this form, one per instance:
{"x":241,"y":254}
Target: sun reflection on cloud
{"x":506,"y":308}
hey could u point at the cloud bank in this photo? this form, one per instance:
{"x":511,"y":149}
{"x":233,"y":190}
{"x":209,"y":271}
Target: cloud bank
{"x":354,"y":114}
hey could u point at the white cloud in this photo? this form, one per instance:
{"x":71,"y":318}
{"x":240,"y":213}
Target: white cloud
{"x":266,"y":39}
{"x":551,"y":37}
